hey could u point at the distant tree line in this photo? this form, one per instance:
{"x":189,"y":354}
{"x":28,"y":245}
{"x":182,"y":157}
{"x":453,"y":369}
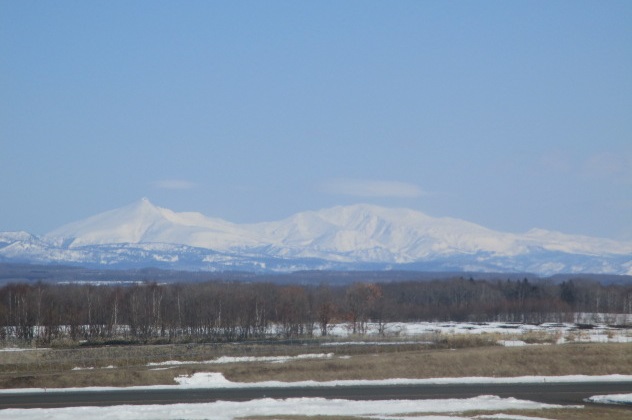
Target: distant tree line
{"x":233,"y":311}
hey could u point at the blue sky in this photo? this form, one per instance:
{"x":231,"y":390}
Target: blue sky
{"x":510,"y":114}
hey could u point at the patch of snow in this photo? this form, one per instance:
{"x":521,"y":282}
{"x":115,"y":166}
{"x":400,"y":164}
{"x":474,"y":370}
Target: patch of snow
{"x":620,"y":399}
{"x":508,"y":417}
{"x":224,"y":410}
{"x":217,"y":380}
{"x":557,"y":332}
{"x":22,"y":349}
{"x":244,"y":359}
{"x":512,"y":343}
{"x":373,"y":343}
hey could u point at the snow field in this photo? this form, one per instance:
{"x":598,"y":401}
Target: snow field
{"x":585,"y":330}
{"x":225,"y":410}
{"x":509,"y":333}
{"x":217,"y":380}
{"x":621,"y":399}
{"x":246,"y":359}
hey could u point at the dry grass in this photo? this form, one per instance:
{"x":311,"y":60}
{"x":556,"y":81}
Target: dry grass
{"x":304,"y":418}
{"x":53,"y":368}
{"x":587,"y":359}
{"x":586,"y":413}
{"x":456,"y":356}
{"x":539,"y":337}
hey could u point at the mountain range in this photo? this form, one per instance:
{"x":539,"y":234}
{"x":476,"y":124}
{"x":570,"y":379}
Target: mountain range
{"x":356,"y":237}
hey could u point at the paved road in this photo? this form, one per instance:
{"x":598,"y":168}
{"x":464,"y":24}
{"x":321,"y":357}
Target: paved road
{"x":562,"y":393}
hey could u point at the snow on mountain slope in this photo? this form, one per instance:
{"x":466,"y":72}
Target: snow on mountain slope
{"x":367,"y":232}
{"x":126,"y":224}
{"x":17,"y":243}
{"x":142,"y":222}
{"x":576,"y":244}
{"x":356,"y":233}
{"x":10,"y":237}
{"x":344,"y":236}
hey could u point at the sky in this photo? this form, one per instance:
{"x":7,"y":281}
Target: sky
{"x":513,"y":115}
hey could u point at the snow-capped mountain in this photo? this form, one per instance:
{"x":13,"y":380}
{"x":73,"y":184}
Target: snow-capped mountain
{"x":350,"y":237}
{"x":142,"y":222}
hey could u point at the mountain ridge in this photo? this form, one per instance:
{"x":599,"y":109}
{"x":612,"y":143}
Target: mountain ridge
{"x":342,"y":237}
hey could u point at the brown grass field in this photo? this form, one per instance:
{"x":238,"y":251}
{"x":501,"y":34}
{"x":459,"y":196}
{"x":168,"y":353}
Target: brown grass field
{"x":586,"y":413}
{"x":459,"y":356}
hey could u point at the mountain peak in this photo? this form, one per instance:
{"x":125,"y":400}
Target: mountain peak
{"x":353,"y":234}
{"x":144,"y":203}
{"x":16,"y":236}
{"x":123,"y":225}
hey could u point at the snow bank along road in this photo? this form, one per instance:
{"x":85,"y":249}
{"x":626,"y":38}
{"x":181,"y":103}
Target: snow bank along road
{"x":213,"y":387}
{"x":230,"y":410}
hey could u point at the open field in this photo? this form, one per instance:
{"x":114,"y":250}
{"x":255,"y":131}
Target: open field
{"x":447,"y":351}
{"x":586,"y":413}
{"x":456,"y":356}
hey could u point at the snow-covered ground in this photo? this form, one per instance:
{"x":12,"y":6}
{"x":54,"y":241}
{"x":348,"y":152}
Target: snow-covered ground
{"x":548,"y":332}
{"x":382,"y":409}
{"x":11,"y":349}
{"x":508,"y":334}
{"x":593,"y":328}
{"x":621,"y":399}
{"x":245,"y":359}
{"x":372,"y":343}
{"x":224,"y":410}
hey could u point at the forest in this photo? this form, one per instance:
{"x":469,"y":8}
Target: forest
{"x":225,"y":311}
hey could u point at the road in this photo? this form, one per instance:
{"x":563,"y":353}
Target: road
{"x":554,"y":393}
